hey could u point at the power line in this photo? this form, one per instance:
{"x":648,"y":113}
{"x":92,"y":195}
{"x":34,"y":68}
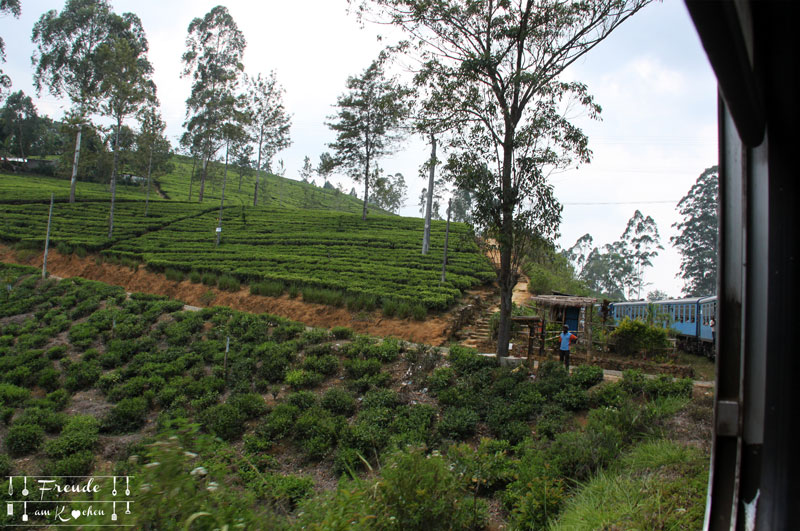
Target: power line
{"x":624,"y":202}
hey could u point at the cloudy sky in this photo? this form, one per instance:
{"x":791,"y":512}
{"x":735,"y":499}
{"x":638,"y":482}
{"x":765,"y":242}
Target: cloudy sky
{"x":657,"y":133}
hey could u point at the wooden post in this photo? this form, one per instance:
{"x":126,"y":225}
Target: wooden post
{"x":446,"y":236}
{"x":47,"y":238}
{"x":225,"y":361}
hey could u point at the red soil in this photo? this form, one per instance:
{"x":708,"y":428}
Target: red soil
{"x":432,"y":331}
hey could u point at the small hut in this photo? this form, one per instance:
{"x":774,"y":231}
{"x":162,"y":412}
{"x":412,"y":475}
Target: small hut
{"x":575,"y":312}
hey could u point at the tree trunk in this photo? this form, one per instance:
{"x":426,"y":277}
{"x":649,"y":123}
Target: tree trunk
{"x":258,"y":168}
{"x":149,"y":170}
{"x":366,"y":191}
{"x":426,"y":238}
{"x":114,"y":180}
{"x":74,"y":179}
{"x":191,"y":177}
{"x":446,"y":238}
{"x":222,"y":199}
{"x":203,"y":178}
{"x":47,"y":238}
{"x":506,"y":278}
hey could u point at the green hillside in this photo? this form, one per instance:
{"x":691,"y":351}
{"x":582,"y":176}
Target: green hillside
{"x":304,"y":239}
{"x":93,"y":381}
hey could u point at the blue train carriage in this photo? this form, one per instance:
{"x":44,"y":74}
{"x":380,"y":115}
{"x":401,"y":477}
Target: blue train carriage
{"x":708,"y":311}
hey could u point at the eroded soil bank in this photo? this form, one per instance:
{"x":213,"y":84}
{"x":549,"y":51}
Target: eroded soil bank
{"x":433,"y":330}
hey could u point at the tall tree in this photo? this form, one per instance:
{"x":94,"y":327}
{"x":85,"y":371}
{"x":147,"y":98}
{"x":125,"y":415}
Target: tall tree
{"x":430,"y":201}
{"x":491,"y":69}
{"x":66,"y":59}
{"x":18,"y":124}
{"x":213,"y":59}
{"x":307,"y":171}
{"x":641,"y":243}
{"x":579,"y":253}
{"x":697,"y":241}
{"x":368,"y":123}
{"x":388,"y":191}
{"x":152,"y":156}
{"x":269,"y":123}
{"x":606,"y":271}
{"x":7,"y":7}
{"x":243,"y":159}
{"x":461,"y":206}
{"x":125,"y":84}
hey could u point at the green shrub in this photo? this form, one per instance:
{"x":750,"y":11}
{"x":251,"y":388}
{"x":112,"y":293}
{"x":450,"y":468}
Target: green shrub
{"x":224,"y":421}
{"x":279,"y":422}
{"x":229,"y":283}
{"x":209,"y":279}
{"x":77,"y":464}
{"x":58,"y":399}
{"x":552,"y":420}
{"x":421,"y":492}
{"x":64,"y":248}
{"x":327,"y":365}
{"x":128,"y":415}
{"x":48,"y":419}
{"x":80,"y":433}
{"x":355,"y":369}
{"x":466,"y":360}
{"x":49,"y":379}
{"x":380,"y":398}
{"x":294,"y":291}
{"x":539,"y":501}
{"x":552,"y":378}
{"x":610,"y":394}
{"x":302,"y":400}
{"x":486,"y":468}
{"x":339,"y":402}
{"x":302,"y":379}
{"x":634,"y":336}
{"x":323,"y":296}
{"x":342,"y":332}
{"x":404,"y":310}
{"x":81,"y":375}
{"x":441,"y":379}
{"x":665,"y":385}
{"x":195,"y":277}
{"x":390,"y":307}
{"x":174,"y":274}
{"x":586,"y":376}
{"x":268,"y":288}
{"x":23,"y":439}
{"x":12,"y":395}
{"x":316,"y":430}
{"x":5,"y":465}
{"x":572,"y":398}
{"x":82,"y":335}
{"x":419,"y":312}
{"x":633,"y":382}
{"x":458,"y":423}
{"x":251,"y":405}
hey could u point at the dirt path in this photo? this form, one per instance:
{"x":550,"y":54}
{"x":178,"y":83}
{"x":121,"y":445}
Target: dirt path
{"x":432,"y":331}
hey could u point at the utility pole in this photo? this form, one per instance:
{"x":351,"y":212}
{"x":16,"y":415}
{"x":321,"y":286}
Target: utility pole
{"x":446,"y":237}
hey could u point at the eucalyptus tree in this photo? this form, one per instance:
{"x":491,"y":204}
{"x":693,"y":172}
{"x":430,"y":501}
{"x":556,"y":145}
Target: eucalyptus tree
{"x":126,"y":85}
{"x":641,"y":243}
{"x":269,"y":123}
{"x":697,"y":241}
{"x":213,"y":59}
{"x":388,"y":191}
{"x":66,"y":61}
{"x":491,"y":69}
{"x":152,"y":154}
{"x":233,"y":132}
{"x":7,"y":7}
{"x":19,"y":124}
{"x":368,"y":123}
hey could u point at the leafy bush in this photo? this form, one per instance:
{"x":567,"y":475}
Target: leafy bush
{"x":610,"y":394}
{"x":5,"y":465}
{"x":48,"y":419}
{"x":380,"y":398}
{"x":327,"y":364}
{"x":339,"y":402}
{"x":76,"y":464}
{"x":12,"y":395}
{"x":82,"y":335}
{"x":279,"y":422}
{"x":23,"y":439}
{"x":355,"y":369}
{"x":586,"y":376}
{"x":421,"y":492}
{"x":80,"y":433}
{"x":440,"y":379}
{"x":458,"y":423}
{"x":466,"y":360}
{"x":552,"y":420}
{"x":224,"y":421}
{"x":665,"y":385}
{"x":268,"y":288}
{"x":128,"y":415}
{"x":634,"y":336}
{"x":301,"y":379}
{"x":229,"y":283}
{"x":174,"y":274}
{"x":195,"y":277}
{"x":302,"y":400}
{"x":251,"y":405}
{"x":209,"y":279}
{"x":316,"y":430}
{"x":81,"y":375}
{"x":486,"y":468}
{"x":342,"y":332}
{"x":572,"y":398}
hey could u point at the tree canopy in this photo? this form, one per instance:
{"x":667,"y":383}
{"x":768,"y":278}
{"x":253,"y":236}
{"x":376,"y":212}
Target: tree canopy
{"x":697,"y":241}
{"x":491,"y":71}
{"x":368,"y":123}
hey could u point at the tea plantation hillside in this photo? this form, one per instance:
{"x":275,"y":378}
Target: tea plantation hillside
{"x":315,"y":245}
{"x":93,"y":381}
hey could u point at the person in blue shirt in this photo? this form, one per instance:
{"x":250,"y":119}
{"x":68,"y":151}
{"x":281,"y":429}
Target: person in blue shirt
{"x":563,"y":351}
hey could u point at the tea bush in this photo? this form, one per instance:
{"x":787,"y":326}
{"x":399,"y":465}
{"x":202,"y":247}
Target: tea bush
{"x":48,"y":419}
{"x":81,"y":375}
{"x":339,"y":402}
{"x":586,"y":376}
{"x":23,"y":439}
{"x":250,"y":405}
{"x":224,"y":420}
{"x":268,"y":288}
{"x":458,"y":423}
{"x":229,"y":283}
{"x":5,"y":465}
{"x":342,"y":332}
{"x":487,"y":468}
{"x":301,"y":378}
{"x":13,"y":395}
{"x":302,"y":400}
{"x":327,"y":364}
{"x":440,"y":379}
{"x":80,"y":433}
{"x":127,"y":415}
{"x":76,"y":464}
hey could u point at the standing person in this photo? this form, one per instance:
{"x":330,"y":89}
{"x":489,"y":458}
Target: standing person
{"x":566,"y":339}
{"x":713,"y":324}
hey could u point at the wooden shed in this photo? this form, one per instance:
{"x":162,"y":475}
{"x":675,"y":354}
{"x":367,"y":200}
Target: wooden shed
{"x":575,"y":312}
